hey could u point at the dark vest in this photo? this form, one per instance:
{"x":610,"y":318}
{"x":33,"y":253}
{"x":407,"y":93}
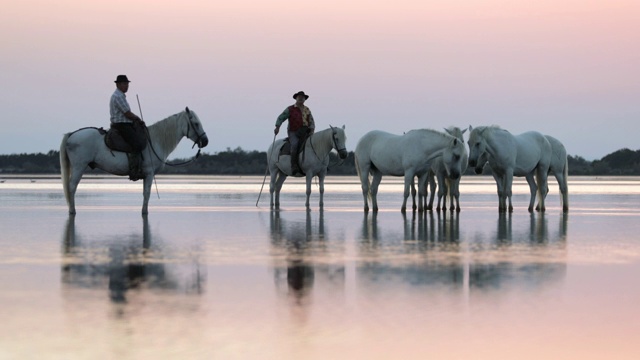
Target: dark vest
{"x":295,"y":118}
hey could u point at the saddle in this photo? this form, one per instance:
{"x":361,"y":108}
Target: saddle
{"x":116,"y":142}
{"x":285,"y":149}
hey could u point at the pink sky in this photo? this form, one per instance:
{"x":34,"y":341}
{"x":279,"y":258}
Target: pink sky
{"x":564,"y":68}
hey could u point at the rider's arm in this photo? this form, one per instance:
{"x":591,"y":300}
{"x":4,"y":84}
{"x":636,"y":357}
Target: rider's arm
{"x":284,"y":116}
{"x":131,"y":116}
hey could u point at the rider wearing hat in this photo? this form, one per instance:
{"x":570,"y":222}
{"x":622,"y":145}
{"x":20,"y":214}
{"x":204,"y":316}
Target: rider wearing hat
{"x":122,"y":119}
{"x":301,"y":124}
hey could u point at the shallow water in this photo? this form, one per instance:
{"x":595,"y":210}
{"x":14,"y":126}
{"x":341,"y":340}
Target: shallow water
{"x":207,"y":274}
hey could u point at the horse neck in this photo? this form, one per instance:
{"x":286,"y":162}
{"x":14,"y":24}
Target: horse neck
{"x":494,"y":138}
{"x":322,"y":142}
{"x":165,"y":135}
{"x":435,"y":141}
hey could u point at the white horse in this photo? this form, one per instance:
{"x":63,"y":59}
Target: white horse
{"x":313,"y":160}
{"x":446,"y":185}
{"x":86,"y":148}
{"x":412,"y":154}
{"x":527,"y":154}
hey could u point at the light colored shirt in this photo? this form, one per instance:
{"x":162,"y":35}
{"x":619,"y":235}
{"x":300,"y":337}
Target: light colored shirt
{"x":118,"y":106}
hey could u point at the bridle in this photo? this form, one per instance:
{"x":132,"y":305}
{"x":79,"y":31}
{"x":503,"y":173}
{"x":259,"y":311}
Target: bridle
{"x":189,"y":126}
{"x":335,"y":144}
{"x":335,"y":140}
{"x":197,"y":141}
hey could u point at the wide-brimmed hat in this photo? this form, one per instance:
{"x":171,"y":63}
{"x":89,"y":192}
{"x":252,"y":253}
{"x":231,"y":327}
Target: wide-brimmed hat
{"x":122,"y":78}
{"x":300,"y":93}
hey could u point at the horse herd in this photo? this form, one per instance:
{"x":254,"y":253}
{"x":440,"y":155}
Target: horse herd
{"x":425,"y":154}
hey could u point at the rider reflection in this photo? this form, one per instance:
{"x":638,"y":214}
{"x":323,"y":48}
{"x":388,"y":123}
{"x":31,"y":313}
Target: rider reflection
{"x":297,"y":242}
{"x":130,"y":265}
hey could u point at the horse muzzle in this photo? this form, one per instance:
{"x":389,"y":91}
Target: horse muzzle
{"x":203,"y":141}
{"x":343,"y":154}
{"x":478,"y":169}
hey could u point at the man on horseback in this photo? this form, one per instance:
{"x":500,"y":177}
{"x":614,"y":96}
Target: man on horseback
{"x":301,"y":125}
{"x":128,"y":125}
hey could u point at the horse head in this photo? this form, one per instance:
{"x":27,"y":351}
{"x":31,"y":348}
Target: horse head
{"x":339,"y":141}
{"x":477,"y":148}
{"x":453,"y":158}
{"x":195,"y":132}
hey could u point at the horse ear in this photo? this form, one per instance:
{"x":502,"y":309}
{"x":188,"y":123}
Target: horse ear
{"x":470,"y":128}
{"x":343,"y":127}
{"x":186,"y":109}
{"x":464,"y":131}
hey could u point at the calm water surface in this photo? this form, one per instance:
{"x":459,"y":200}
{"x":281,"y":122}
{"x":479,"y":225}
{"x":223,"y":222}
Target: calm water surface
{"x":208,"y":275}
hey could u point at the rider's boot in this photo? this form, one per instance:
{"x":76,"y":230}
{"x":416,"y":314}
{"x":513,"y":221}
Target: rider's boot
{"x":295,"y":168}
{"x":135,"y":166}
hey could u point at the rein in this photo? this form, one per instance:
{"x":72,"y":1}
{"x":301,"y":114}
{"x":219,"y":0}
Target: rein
{"x":184,"y":163}
{"x":335,"y":144}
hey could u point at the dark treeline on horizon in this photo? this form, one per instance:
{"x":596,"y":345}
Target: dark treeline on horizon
{"x":242,"y":162}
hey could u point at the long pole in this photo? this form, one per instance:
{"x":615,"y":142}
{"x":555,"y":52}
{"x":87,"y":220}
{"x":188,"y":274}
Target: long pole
{"x":267,"y":169}
{"x":150,"y":159}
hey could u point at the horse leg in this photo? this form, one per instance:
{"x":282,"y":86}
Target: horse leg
{"x":308,"y":192}
{"x":508,"y":186}
{"x":455,"y":194}
{"x":363,"y":172}
{"x":375,"y":182}
{"x":74,"y":180}
{"x":146,"y":193}
{"x":408,"y":179}
{"x":564,"y":191}
{"x":432,"y":187}
{"x":422,"y":193}
{"x":532,"y":191}
{"x":281,"y":178}
{"x":413,"y":193}
{"x":321,"y":189}
{"x":272,"y":185}
{"x":543,"y":187}
{"x":442,"y":191}
{"x":500,"y":187}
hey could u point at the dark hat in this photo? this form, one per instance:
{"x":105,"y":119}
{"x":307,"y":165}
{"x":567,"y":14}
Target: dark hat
{"x":300,"y":93}
{"x":122,"y":78}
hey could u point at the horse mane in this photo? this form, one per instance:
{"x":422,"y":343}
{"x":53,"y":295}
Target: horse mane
{"x":431,"y":131}
{"x":164,"y":132}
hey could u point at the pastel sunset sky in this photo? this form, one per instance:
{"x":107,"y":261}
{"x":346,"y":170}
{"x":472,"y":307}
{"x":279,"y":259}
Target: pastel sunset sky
{"x":567,"y":68}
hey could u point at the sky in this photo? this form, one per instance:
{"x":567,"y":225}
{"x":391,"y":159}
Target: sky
{"x":566,"y":68}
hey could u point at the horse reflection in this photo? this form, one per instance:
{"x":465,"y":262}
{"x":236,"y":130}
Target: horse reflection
{"x":302,"y":257}
{"x":129,"y":265}
{"x":439,"y":228}
{"x":443,"y":228}
{"x":528,"y":256}
{"x":422,"y":251}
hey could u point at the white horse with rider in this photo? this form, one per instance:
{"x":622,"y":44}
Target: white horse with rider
{"x":313,"y":159}
{"x":86,"y":147}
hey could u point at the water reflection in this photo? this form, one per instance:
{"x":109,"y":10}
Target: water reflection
{"x":528,"y":256}
{"x":427,"y":251}
{"x":303,"y":256}
{"x":125,"y":263}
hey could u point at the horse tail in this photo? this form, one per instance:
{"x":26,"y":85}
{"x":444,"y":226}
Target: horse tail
{"x":355,"y":160}
{"x":65,"y":167}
